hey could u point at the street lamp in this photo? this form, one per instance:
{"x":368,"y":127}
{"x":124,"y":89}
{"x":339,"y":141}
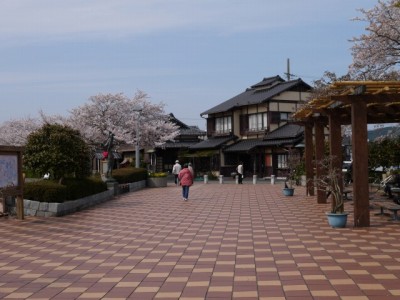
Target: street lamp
{"x":137,"y":148}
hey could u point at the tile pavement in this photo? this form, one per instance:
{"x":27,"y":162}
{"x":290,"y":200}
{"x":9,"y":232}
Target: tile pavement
{"x":227,"y":242}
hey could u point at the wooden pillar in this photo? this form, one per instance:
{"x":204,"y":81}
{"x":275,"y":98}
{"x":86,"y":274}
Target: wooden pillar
{"x":19,"y":204}
{"x":309,"y":147}
{"x":319,"y":155}
{"x":360,"y":163}
{"x":335,"y":147}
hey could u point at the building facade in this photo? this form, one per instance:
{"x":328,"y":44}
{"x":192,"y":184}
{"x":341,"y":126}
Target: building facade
{"x":254,"y":127}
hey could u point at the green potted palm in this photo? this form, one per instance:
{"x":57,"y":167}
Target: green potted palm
{"x":329,"y":182}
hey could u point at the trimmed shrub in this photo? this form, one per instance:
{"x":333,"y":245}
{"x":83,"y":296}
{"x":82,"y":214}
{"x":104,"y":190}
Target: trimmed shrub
{"x":45,"y":191}
{"x":128,"y":175}
{"x":71,"y":189}
{"x":79,"y":188}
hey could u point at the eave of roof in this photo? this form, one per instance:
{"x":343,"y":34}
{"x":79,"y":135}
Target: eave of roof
{"x":288,"y":130}
{"x":248,"y":145}
{"x":213,"y":143}
{"x":173,"y":145}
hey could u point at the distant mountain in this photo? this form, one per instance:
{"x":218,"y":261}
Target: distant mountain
{"x":383,"y":131}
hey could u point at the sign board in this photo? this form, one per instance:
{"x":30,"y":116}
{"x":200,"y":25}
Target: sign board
{"x":11,"y":179}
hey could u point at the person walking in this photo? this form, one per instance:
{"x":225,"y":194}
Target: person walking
{"x":186,"y":180}
{"x":239,"y":170}
{"x":191,"y":169}
{"x":175,"y":170}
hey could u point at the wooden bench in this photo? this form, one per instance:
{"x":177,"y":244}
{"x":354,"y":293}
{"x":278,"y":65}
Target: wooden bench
{"x":396,"y":190}
{"x":345,"y":193}
{"x":393,"y":207}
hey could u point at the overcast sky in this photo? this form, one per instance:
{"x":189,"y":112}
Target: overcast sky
{"x":189,"y":54}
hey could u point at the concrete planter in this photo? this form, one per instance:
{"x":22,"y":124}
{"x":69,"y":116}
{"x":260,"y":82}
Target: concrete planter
{"x":154,"y":182}
{"x":54,"y":209}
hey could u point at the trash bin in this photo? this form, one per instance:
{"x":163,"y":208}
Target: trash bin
{"x":254,"y":179}
{"x":221,"y":179}
{"x":237,"y":179}
{"x":205,"y":178}
{"x":272,"y":179}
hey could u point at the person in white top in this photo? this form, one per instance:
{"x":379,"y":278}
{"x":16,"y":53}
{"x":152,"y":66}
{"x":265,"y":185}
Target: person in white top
{"x":239,"y":170}
{"x":175,"y":170}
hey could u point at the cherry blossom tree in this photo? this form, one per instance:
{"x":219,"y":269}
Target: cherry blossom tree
{"x":377,"y":52}
{"x":123,"y":116}
{"x":103,"y":113}
{"x":15,"y":132}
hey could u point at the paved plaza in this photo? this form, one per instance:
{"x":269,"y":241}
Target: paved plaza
{"x":228,"y":241}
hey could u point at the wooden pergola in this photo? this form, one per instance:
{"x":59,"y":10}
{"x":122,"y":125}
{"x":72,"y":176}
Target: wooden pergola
{"x":358,"y":103}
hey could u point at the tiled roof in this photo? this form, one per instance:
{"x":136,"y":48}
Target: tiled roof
{"x":244,"y":145}
{"x":258,"y":93}
{"x":186,"y":129}
{"x":288,"y":134}
{"x":172,"y":145}
{"x":247,"y":145}
{"x":213,"y":142}
{"x":286,"y":131}
{"x":192,"y":130}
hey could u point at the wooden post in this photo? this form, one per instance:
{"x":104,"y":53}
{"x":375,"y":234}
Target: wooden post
{"x":360,"y":163}
{"x":308,"y":139}
{"x":19,"y":203}
{"x":319,"y":156}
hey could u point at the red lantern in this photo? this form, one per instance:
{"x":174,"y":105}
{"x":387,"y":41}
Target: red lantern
{"x":105,"y":154}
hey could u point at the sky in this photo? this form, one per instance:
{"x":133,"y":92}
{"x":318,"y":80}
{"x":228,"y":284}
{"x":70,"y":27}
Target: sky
{"x":188,"y":54}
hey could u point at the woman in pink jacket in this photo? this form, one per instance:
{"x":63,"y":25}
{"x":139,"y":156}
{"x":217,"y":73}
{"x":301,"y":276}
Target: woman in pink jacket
{"x":186,"y":180}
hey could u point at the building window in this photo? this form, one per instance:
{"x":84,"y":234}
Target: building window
{"x":223,"y":125}
{"x":277,"y":117}
{"x":284,"y":116}
{"x":282,"y":161}
{"x":257,"y":122}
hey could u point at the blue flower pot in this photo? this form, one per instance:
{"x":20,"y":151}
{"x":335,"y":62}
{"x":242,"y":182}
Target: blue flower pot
{"x":337,"y":220}
{"x":288,"y":191}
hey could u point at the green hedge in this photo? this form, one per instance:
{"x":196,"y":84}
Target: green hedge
{"x":128,"y":175}
{"x":45,"y":191}
{"x":71,"y":189}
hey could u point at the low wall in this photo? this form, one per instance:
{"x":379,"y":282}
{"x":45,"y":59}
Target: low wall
{"x":50,"y":209}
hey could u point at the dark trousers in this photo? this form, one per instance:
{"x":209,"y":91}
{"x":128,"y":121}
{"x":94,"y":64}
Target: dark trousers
{"x":176,"y":178}
{"x":240,"y":178}
{"x":185,"y":191}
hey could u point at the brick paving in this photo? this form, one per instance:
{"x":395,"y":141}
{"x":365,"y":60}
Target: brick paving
{"x":227,"y":242}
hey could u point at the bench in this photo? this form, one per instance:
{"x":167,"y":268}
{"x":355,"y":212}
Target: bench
{"x":393,"y":207}
{"x":345,"y":193}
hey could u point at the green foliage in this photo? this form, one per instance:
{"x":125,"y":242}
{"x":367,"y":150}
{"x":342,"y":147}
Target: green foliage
{"x":79,"y":188}
{"x":57,"y":149}
{"x":157,"y":175}
{"x":212,"y":176}
{"x":71,"y":189}
{"x":127,"y":175}
{"x":384,"y":152}
{"x":45,"y":191}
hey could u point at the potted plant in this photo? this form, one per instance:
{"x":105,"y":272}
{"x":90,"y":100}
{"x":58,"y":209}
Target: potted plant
{"x":293,"y":161}
{"x":329,"y":182}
